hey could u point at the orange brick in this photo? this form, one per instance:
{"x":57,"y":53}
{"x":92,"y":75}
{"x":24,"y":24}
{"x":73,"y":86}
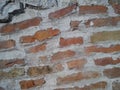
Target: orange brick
{"x":70,"y":41}
{"x":27,"y":39}
{"x":46,"y":34}
{"x":76,"y":63}
{"x":26,"y":84}
{"x":63,"y":54}
{"x":7,"y":44}
{"x":62,"y":12}
{"x":93,"y":9}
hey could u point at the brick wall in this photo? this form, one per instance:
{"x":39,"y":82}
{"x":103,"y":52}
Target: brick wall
{"x":75,"y":47}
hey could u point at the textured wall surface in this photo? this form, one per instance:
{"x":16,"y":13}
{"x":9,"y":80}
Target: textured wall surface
{"x":65,"y":47}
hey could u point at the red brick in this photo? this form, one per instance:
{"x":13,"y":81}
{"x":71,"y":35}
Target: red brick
{"x":77,"y":77}
{"x":62,"y":12}
{"x":26,"y":84}
{"x":116,"y":8}
{"x":112,"y":73}
{"x":74,"y":24}
{"x":39,"y":70}
{"x":7,"y":44}
{"x":107,"y":61}
{"x":99,"y":22}
{"x":10,"y":63}
{"x":99,"y":85}
{"x":27,"y":39}
{"x":70,"y":41}
{"x":62,"y":54}
{"x":46,"y":34}
{"x":37,"y":48}
{"x":93,"y":9}
{"x":94,"y":49}
{"x":76,"y":63}
{"x":9,"y":28}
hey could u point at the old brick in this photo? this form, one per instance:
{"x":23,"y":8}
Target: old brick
{"x":96,"y":86}
{"x":116,"y":85}
{"x":46,"y":34}
{"x":112,"y":73}
{"x":11,"y":62}
{"x":26,"y":84}
{"x":99,"y":22}
{"x":27,"y":39}
{"x":116,"y":8}
{"x":40,"y":70}
{"x":43,"y":59}
{"x":7,"y":44}
{"x":13,"y":73}
{"x":93,"y":9}
{"x":37,"y":48}
{"x":62,"y":54}
{"x":77,"y":77}
{"x":57,"y":67}
{"x":105,"y":36}
{"x":62,"y":12}
{"x":70,"y":41}
{"x":107,"y":61}
{"x":74,"y":24}
{"x":9,"y":28}
{"x":76,"y":63}
{"x":93,"y":49}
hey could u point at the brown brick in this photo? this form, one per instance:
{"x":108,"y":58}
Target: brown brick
{"x":7,"y":44}
{"x":9,"y":28}
{"x":11,"y":62}
{"x":27,"y":39}
{"x":37,"y":48}
{"x":107,"y":61}
{"x":93,"y":9}
{"x":105,"y":36}
{"x":77,"y":77}
{"x":74,"y":24}
{"x":62,"y":12}
{"x":13,"y":73}
{"x":96,"y":86}
{"x":99,"y":22}
{"x":62,"y":54}
{"x":39,"y":70}
{"x":70,"y":41}
{"x":112,"y":73}
{"x":116,"y":8}
{"x":46,"y":34}
{"x":93,"y":49}
{"x":76,"y":63}
{"x":26,"y":84}
{"x":116,"y":85}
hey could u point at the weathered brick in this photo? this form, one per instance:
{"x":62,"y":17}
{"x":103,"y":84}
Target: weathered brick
{"x":46,"y":34}
{"x":11,"y":62}
{"x":76,"y":63}
{"x":62,"y":54}
{"x":74,"y":24}
{"x":27,"y":39}
{"x":105,"y":36}
{"x":96,"y":86}
{"x":77,"y":77}
{"x":9,"y":28}
{"x":116,"y":85}
{"x":107,"y":61}
{"x":43,"y":59}
{"x":112,"y":73}
{"x":94,"y":49}
{"x":37,"y":48}
{"x":116,"y":8}
{"x":70,"y":41}
{"x":57,"y":67}
{"x":26,"y":84}
{"x":99,"y":22}
{"x":39,"y":70}
{"x":62,"y":12}
{"x":13,"y":73}
{"x":7,"y":44}
{"x":93,"y":9}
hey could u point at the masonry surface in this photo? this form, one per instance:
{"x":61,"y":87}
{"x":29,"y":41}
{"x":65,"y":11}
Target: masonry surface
{"x":71,"y":47}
